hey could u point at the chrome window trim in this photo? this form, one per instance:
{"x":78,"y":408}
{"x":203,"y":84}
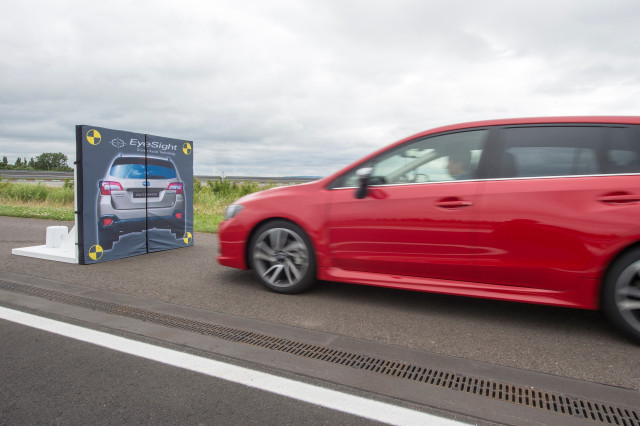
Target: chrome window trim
{"x":490,"y":179}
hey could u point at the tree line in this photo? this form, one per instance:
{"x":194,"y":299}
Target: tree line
{"x":55,"y":161}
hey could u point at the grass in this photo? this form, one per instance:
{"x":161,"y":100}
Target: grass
{"x":211,"y":199}
{"x":38,"y":212}
{"x":40,"y":201}
{"x":28,"y":193}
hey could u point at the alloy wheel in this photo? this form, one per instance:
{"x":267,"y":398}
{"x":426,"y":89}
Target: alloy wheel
{"x":280,"y":257}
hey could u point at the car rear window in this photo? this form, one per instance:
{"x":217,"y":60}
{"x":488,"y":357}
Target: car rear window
{"x":134,"y":168}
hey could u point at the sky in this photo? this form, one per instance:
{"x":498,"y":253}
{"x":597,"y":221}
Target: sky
{"x":304,"y":88}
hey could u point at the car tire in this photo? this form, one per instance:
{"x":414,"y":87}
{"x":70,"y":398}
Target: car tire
{"x":621,"y":294}
{"x":106,"y":240}
{"x":282,"y":258}
{"x":179,"y":231}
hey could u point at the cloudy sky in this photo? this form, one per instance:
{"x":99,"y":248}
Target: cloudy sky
{"x":275,"y":88}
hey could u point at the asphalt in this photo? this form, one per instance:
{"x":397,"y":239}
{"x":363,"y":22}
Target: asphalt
{"x":561,"y":342}
{"x":49,"y":379}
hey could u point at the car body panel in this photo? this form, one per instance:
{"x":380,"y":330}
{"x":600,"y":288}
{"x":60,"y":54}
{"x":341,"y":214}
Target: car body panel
{"x":305,"y":204}
{"x":546,"y":240}
{"x":405,"y":229}
{"x":554,"y":233}
{"x":586,"y":297}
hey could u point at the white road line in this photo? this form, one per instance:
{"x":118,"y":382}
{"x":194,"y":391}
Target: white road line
{"x":339,"y":401}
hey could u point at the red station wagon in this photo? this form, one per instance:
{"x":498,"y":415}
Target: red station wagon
{"x":537,"y":210}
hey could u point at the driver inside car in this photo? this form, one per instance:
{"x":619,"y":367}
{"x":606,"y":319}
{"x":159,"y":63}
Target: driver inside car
{"x":459,"y":166}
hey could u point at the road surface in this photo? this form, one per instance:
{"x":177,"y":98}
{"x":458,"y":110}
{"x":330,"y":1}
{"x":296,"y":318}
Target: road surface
{"x":562,"y":352}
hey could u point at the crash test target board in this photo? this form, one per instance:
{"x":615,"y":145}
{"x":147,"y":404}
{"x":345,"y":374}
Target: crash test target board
{"x":134,"y":193}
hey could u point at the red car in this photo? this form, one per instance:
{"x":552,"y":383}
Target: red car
{"x":538,"y":210}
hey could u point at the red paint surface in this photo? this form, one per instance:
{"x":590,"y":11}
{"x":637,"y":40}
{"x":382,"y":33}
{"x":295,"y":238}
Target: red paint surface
{"x":536,"y":240}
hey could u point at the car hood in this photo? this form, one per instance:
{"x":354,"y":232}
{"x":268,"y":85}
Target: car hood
{"x":277,"y":191}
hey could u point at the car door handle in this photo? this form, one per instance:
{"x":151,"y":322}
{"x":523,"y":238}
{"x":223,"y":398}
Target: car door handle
{"x":453,"y":203}
{"x":619,"y":198}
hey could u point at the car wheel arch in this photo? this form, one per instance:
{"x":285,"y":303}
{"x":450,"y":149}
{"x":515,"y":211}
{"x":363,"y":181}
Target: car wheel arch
{"x":259,"y":224}
{"x":616,"y":281}
{"x":613,"y":260}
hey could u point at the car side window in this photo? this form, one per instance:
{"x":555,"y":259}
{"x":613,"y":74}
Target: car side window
{"x":540,"y":151}
{"x":550,"y":151}
{"x":448,"y":157}
{"x":621,"y":152}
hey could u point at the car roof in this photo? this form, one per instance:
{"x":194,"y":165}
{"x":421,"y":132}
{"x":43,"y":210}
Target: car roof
{"x":135,"y":159}
{"x":498,"y":122}
{"x":537,"y":120}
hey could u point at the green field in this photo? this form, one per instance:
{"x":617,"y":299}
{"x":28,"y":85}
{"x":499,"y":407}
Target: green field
{"x":43,"y":202}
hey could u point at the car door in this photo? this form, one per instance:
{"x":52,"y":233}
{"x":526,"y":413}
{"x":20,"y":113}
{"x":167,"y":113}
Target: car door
{"x":563,"y":197}
{"x":417,"y":217}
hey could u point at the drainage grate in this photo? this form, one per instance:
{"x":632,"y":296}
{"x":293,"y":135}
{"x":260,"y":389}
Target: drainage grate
{"x":557,"y":403}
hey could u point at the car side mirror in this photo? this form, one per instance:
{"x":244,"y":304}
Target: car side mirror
{"x":363,"y":176}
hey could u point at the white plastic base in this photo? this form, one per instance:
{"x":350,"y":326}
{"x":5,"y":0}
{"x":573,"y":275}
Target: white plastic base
{"x":56,"y":248}
{"x":56,"y":236}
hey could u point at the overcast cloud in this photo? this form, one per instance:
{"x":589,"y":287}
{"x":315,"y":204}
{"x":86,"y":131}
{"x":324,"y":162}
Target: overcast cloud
{"x":276,"y":88}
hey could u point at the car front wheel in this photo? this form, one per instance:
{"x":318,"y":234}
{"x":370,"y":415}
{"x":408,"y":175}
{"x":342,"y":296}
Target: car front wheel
{"x":281,"y":256}
{"x":621,"y":294}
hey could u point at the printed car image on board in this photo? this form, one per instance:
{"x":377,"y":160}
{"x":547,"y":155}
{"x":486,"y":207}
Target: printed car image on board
{"x":135,"y":193}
